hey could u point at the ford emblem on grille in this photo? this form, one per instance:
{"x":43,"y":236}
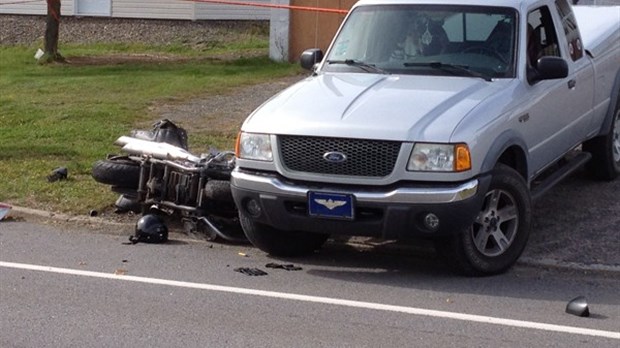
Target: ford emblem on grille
{"x":335,"y":157}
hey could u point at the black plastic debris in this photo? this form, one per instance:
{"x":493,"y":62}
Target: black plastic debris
{"x":287,"y":267}
{"x":578,"y":306}
{"x":58,"y":174}
{"x":250,"y":271}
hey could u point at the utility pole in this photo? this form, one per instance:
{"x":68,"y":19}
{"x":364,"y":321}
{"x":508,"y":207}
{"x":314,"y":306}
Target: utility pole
{"x":51,"y":33}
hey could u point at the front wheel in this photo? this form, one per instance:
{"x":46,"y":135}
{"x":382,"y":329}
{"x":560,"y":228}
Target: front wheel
{"x":118,"y":171}
{"x":499,"y":233}
{"x":281,"y":243}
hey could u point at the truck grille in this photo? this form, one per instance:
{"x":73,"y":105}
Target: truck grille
{"x":369,"y":158}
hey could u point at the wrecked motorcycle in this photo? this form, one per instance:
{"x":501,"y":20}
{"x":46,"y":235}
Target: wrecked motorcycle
{"x":157,"y":174}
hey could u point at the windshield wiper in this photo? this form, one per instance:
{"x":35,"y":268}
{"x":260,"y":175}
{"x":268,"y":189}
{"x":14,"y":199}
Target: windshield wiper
{"x":364,"y":66}
{"x":452,"y":68}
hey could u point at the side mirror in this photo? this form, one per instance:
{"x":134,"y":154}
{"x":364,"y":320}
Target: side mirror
{"x":548,"y":68}
{"x":578,"y":306}
{"x":311,"y":57}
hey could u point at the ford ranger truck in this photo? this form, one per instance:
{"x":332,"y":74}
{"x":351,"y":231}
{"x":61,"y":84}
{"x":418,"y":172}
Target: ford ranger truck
{"x":442,"y":119}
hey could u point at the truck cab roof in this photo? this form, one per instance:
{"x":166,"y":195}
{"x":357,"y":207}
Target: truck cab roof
{"x":503,"y":3}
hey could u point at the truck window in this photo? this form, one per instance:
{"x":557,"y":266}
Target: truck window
{"x":542,"y":39}
{"x":571,"y":31}
{"x":406,"y":39}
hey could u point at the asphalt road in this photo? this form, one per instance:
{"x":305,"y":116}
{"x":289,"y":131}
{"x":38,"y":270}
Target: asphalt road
{"x":577,"y":223}
{"x":63,"y":287}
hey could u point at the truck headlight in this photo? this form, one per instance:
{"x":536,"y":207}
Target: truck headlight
{"x":427,"y":157}
{"x":254,"y":146}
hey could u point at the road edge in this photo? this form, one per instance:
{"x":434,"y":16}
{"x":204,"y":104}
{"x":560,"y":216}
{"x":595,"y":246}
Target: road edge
{"x":523,"y":261}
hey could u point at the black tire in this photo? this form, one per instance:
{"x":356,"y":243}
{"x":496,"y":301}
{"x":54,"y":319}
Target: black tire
{"x":128,"y":192}
{"x":218,"y":190}
{"x":605,"y":150}
{"x":281,"y":243}
{"x":506,"y":216}
{"x":117,"y":171}
{"x":125,"y":204}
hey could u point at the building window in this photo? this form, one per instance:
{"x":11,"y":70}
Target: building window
{"x":93,"y":7}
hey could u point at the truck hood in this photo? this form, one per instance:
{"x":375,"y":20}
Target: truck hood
{"x":388,"y":107}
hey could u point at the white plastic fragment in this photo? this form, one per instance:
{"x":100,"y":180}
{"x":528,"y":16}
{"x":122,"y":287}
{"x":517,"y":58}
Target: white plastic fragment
{"x":39,"y":54}
{"x":4,"y":210}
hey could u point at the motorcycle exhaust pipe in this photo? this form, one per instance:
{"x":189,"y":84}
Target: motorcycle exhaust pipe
{"x":163,"y":151}
{"x":219,"y":233}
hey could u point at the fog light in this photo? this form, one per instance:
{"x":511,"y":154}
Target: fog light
{"x":431,"y":221}
{"x":253,"y":208}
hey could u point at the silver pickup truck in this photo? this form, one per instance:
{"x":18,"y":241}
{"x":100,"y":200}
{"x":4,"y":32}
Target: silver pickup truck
{"x":442,"y":119}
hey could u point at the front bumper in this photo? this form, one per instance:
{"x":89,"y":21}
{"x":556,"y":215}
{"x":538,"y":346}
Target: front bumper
{"x":394,"y":212}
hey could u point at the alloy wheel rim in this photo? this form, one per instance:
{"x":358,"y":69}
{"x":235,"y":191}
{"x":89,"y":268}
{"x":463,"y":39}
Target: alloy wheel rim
{"x":495,"y":227}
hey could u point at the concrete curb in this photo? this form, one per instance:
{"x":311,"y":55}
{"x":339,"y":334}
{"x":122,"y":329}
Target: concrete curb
{"x":524,"y":261}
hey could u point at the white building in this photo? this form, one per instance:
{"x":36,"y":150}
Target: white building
{"x":145,"y":9}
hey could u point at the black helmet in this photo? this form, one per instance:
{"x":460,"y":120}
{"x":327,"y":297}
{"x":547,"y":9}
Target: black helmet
{"x":150,"y":229}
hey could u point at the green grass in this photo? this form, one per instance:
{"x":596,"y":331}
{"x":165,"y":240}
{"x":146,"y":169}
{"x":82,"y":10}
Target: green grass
{"x":68,"y":115}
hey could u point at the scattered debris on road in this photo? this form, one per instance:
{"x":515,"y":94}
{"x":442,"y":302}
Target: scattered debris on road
{"x":287,"y":267}
{"x":120,"y":271}
{"x":250,"y":271}
{"x":578,"y":306}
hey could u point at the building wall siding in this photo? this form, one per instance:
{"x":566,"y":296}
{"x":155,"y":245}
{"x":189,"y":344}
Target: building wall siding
{"x":154,"y":9}
{"x":36,"y":8}
{"x":219,"y":11}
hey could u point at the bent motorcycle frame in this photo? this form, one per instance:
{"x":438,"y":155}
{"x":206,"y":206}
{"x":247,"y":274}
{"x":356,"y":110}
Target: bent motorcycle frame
{"x":172,"y":179}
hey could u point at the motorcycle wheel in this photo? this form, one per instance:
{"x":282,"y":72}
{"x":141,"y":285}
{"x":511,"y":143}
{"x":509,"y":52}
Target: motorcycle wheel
{"x":218,"y":190}
{"x":117,"y":171}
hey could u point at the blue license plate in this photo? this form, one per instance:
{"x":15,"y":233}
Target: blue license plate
{"x":330,"y":205}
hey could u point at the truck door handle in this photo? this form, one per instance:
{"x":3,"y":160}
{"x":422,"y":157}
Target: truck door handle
{"x":572,"y":83}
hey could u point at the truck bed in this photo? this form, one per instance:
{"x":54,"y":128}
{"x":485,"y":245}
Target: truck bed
{"x":597,"y":24}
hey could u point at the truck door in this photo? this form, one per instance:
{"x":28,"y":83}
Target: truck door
{"x":581,"y":69}
{"x":558,"y":119}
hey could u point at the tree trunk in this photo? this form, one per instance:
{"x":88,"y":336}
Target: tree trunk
{"x":51,"y":32}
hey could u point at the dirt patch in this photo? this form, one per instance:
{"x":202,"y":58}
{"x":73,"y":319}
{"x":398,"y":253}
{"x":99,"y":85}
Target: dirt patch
{"x":119,"y":59}
{"x":222,"y":113}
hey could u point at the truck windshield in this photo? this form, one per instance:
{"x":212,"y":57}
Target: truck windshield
{"x":416,"y":39}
